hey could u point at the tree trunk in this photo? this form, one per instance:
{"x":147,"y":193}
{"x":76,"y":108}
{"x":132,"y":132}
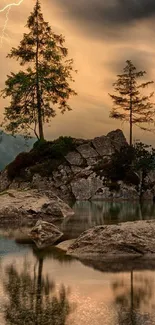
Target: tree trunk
{"x":39,"y":292}
{"x":131,"y":122}
{"x":141,"y":184}
{"x":39,"y":108}
{"x":132,"y":298}
{"x":131,"y":127}
{"x":40,"y":122}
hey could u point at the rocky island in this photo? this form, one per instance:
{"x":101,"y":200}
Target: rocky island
{"x":78,"y":169}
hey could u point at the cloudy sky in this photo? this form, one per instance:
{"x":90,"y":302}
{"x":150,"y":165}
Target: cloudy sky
{"x":100,"y":35}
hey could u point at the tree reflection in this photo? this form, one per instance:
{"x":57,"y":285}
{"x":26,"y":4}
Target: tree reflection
{"x":33,"y":299}
{"x":131,"y":300}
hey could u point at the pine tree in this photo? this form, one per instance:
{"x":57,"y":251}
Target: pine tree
{"x":44,"y":84}
{"x":129,"y":105}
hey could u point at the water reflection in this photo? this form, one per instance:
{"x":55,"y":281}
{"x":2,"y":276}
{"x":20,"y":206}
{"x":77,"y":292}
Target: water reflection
{"x":33,"y":295}
{"x":32,"y":298}
{"x":89,"y":214}
{"x":132,"y":300}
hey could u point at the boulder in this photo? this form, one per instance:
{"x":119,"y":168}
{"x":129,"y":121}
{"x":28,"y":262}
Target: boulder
{"x":45,"y":234}
{"x":103,"y":146}
{"x":26,"y":207}
{"x":85,"y":189}
{"x":117,"y":138}
{"x":76,"y":170}
{"x":92,"y":161}
{"x":107,"y":145}
{"x":74,"y":158}
{"x":87,"y":151}
{"x":129,"y":239}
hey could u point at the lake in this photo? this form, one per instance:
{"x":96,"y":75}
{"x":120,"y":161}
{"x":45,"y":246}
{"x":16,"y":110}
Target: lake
{"x":50,"y":288}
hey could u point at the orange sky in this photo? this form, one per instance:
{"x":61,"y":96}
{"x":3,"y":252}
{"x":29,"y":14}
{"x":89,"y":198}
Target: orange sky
{"x":100,"y":37}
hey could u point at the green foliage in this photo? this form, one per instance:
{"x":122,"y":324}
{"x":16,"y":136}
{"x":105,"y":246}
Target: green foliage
{"x":144,"y":158}
{"x":130,"y":162}
{"x":120,"y":163}
{"x":54,"y":149}
{"x":129,"y":105}
{"x":44,"y":85}
{"x":131,"y":177}
{"x":22,"y":161}
{"x":45,"y":157}
{"x":62,"y":146}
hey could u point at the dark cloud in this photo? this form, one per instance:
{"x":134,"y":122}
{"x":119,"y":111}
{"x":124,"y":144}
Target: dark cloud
{"x":108,"y":13}
{"x":142,"y":59}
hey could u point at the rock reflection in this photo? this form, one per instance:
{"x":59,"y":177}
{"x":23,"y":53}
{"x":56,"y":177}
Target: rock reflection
{"x":33,"y":299}
{"x":132,"y":301}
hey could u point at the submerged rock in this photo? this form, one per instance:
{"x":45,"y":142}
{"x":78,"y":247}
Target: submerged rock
{"x":26,"y":207}
{"x":45,"y":234}
{"x":128,"y":239}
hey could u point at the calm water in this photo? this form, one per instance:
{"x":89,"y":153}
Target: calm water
{"x":49,"y":288}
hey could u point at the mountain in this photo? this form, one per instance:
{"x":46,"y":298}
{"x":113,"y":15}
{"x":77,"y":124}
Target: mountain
{"x":11,"y":146}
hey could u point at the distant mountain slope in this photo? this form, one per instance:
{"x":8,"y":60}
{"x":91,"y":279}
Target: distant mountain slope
{"x":11,"y":146}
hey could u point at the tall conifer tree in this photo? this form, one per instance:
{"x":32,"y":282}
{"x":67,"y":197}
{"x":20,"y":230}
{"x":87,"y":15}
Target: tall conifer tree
{"x":129,"y":105}
{"x":44,"y":84}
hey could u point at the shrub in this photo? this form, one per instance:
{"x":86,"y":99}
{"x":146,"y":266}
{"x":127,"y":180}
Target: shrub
{"x":23,"y":160}
{"x":54,"y":149}
{"x":45,"y":169}
{"x":45,"y":154}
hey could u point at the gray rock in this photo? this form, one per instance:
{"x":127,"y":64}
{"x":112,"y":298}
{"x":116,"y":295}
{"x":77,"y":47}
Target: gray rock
{"x":87,"y":151}
{"x":4,"y":180}
{"x":85,"y":172}
{"x":117,"y":138}
{"x":42,"y":183}
{"x":92,"y":161}
{"x":107,"y":145}
{"x":76,"y":169}
{"x":103,"y":194}
{"x":85,"y":189}
{"x":103,"y":146}
{"x":129,"y":239}
{"x":45,"y":234}
{"x":126,"y":192}
{"x":26,"y":207}
{"x":74,"y":158}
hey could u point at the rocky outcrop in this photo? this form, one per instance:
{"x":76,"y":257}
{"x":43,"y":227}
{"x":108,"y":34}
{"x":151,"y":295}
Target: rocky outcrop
{"x":26,"y":207}
{"x":45,"y":234}
{"x":129,"y":239}
{"x":79,"y":173}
